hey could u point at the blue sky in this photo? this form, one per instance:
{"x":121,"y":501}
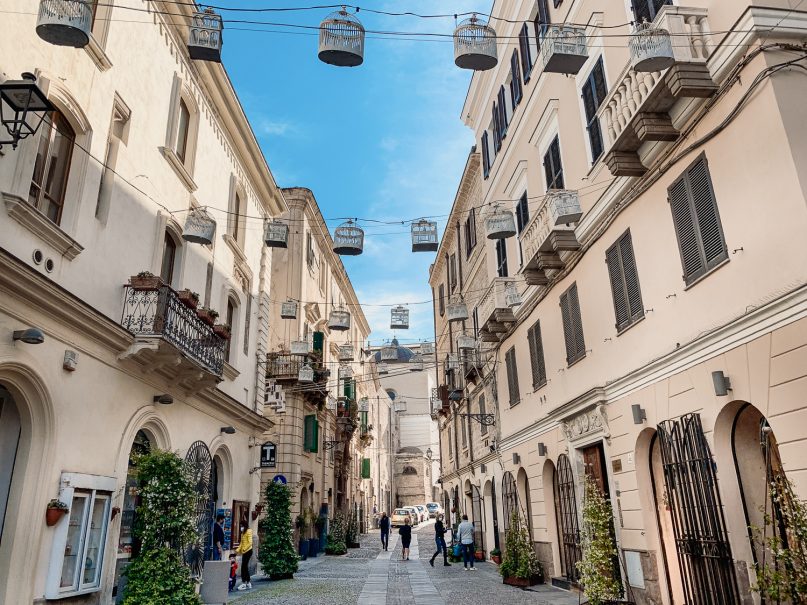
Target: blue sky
{"x":381,"y":141}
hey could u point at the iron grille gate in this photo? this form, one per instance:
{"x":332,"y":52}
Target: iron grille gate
{"x":200,"y":464}
{"x":566,"y":512}
{"x":476,"y":512}
{"x":701,"y":541}
{"x":509,"y":498}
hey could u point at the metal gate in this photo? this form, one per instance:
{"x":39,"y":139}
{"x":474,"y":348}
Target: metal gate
{"x":566,"y":513}
{"x":701,"y":540}
{"x":200,"y":463}
{"x":509,"y":498}
{"x":476,"y":512}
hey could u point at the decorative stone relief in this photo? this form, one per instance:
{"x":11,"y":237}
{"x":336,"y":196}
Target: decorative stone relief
{"x":587,"y":423}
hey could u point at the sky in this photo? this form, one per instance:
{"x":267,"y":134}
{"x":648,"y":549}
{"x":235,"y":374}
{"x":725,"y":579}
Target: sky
{"x":381,"y":141}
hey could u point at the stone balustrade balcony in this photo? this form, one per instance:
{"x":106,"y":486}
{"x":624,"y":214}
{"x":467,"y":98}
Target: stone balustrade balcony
{"x":495,"y":315}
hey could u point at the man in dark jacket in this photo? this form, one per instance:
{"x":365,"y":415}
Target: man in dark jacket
{"x":440,"y":540}
{"x":383,"y":523}
{"x":218,"y":538}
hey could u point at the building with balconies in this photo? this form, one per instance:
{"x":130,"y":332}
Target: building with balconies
{"x":633,"y":348}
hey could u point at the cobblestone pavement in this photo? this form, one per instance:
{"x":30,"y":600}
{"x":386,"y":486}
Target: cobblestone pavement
{"x":370,"y":576}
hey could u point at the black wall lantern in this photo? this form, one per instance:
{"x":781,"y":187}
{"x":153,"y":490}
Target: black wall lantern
{"x":23,"y":106}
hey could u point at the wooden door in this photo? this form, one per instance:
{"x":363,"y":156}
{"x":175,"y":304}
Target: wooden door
{"x":594,"y":460}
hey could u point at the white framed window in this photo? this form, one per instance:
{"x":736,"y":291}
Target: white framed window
{"x":80,"y":539}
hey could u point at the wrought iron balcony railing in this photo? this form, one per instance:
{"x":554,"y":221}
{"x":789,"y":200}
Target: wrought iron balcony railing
{"x":285,"y":366}
{"x":160,"y":313}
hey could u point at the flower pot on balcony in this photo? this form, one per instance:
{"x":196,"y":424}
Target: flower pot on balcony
{"x":222,"y":331}
{"x":54,"y":515}
{"x":188,"y":298}
{"x":207,"y":315}
{"x":145,"y":281}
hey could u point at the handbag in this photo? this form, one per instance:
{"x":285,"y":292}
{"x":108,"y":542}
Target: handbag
{"x":458,"y":550}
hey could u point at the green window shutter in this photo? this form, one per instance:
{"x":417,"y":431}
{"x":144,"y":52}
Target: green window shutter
{"x":363,"y":416}
{"x":319,"y":341}
{"x":311,"y":433}
{"x":365,"y":468}
{"x":349,"y":389}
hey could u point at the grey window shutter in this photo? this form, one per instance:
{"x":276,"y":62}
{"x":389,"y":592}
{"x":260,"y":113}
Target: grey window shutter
{"x":537,"y":355}
{"x":512,"y":375}
{"x":618,"y":292}
{"x":568,"y":328}
{"x":574,"y":311}
{"x":484,"y":429}
{"x":631,"y":275}
{"x":705,"y":205}
{"x":685,"y":230}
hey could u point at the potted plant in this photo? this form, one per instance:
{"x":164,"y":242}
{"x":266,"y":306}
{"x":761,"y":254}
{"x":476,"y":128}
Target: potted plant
{"x":352,"y":533}
{"x":188,"y":298}
{"x":207,"y":315}
{"x":222,"y":331}
{"x":479,"y":554}
{"x":520,"y":565}
{"x":279,"y":561}
{"x":55,"y":511}
{"x":597,"y":543}
{"x":145,"y":280}
{"x":496,"y":556}
{"x":335,"y":542}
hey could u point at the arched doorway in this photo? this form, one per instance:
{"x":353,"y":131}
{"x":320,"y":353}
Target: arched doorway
{"x":491,"y":513}
{"x":566,"y":515}
{"x":201,"y":464}
{"x":10,"y":432}
{"x":509,"y":498}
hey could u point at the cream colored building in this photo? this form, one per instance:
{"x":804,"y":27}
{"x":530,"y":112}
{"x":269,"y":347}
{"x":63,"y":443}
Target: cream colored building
{"x":137,"y":141}
{"x":659,"y":258}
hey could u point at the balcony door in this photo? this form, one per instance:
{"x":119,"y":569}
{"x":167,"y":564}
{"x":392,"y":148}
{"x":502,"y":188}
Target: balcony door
{"x":646,"y":10}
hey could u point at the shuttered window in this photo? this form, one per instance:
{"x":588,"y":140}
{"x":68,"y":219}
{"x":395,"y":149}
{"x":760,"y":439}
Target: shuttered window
{"x":697,"y":221}
{"x":497,"y":129}
{"x":525,"y":51}
{"x":441,"y":295}
{"x":522,"y":212}
{"x":512,"y":376}
{"x":501,"y":257}
{"x":484,"y":429}
{"x":536,"y":355}
{"x":452,"y":271}
{"x":624,"y":282}
{"x":311,"y":433}
{"x":572,"y":325}
{"x":516,"y":88}
{"x":365,"y":468}
{"x":464,"y":440}
{"x":541,"y":21}
{"x":485,"y":155}
{"x":553,"y":167}
{"x":470,"y":232}
{"x":646,"y":10}
{"x":594,"y":91}
{"x":502,"y":105}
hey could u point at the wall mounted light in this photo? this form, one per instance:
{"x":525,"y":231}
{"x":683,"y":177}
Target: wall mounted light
{"x":30,"y":336}
{"x":228,"y":430}
{"x":164,"y":399}
{"x":722,"y":383}
{"x":483,"y":469}
{"x":516,"y":458}
{"x":541,"y":449}
{"x":639,"y":415}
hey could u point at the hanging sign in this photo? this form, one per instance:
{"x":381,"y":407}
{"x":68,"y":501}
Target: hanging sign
{"x":268,"y":455}
{"x":279,"y":479}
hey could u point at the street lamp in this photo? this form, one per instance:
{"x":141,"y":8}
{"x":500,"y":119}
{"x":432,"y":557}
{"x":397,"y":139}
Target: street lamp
{"x":23,"y":106}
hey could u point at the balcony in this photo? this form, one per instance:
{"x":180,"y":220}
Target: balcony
{"x":284,"y":368}
{"x":495,"y":314}
{"x":170,"y":339}
{"x":637,"y":107}
{"x":472,"y":364}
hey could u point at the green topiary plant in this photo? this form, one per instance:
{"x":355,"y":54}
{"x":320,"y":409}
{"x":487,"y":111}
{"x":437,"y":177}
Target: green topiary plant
{"x":520,"y":560}
{"x":158,"y":577}
{"x":336,"y":541}
{"x":277,"y":555}
{"x":597,"y":543}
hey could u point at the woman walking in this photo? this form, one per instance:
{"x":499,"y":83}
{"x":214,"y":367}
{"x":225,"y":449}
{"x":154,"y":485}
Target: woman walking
{"x":245,"y":550}
{"x":405,"y":531}
{"x":440,"y":541}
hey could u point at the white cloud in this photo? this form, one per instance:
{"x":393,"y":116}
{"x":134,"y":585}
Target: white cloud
{"x":277,"y":128}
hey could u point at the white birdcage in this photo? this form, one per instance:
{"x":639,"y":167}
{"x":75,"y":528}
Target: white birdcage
{"x":65,"y":22}
{"x":341,"y":40}
{"x":399,"y":318}
{"x":416,"y":363}
{"x":199,"y":227}
{"x":399,"y":405}
{"x":288,"y":309}
{"x":564,"y":206}
{"x":500,"y":224}
{"x":300,"y":347}
{"x":427,"y":348}
{"x":345,"y":372}
{"x":452,"y":362}
{"x":563,"y":48}
{"x":424,"y":236}
{"x":346,"y":352}
{"x":512,"y":297}
{"x":339,"y":320}
{"x":650,"y":48}
{"x":457,"y":310}
{"x":306,"y":374}
{"x":475,"y":45}
{"x":204,"y":38}
{"x":330,"y":403}
{"x":383,"y":368}
{"x":276,"y":234}
{"x":364,"y":404}
{"x":348,"y":239}
{"x":466,"y":343}
{"x":389,"y":352}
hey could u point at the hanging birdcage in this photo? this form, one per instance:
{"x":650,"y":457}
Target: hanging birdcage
{"x":427,"y":348}
{"x":199,"y":228}
{"x":306,"y":374}
{"x":416,"y":363}
{"x":348,"y":239}
{"x":300,"y":347}
{"x":65,"y":22}
{"x":389,"y":352}
{"x":204,"y":38}
{"x":276,"y":234}
{"x":399,"y":318}
{"x":457,"y":310}
{"x":346,"y":352}
{"x":475,"y":45}
{"x":288,"y":309}
{"x":563,"y":48}
{"x":330,"y":403}
{"x":564,"y":206}
{"x":424,"y":236}
{"x":364,"y":404}
{"x":345,"y":372}
{"x":650,"y":48}
{"x":383,"y":368}
{"x":466,"y":343}
{"x":341,"y":40}
{"x":512,"y":297}
{"x":399,"y":405}
{"x":452,"y":362}
{"x":500,"y":224}
{"x":339,"y":320}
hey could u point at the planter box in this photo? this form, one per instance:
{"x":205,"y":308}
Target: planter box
{"x":187,"y":299}
{"x":281,"y":576}
{"x":522,"y":582}
{"x":152,"y":282}
{"x":221,"y":331}
{"x":206,"y":317}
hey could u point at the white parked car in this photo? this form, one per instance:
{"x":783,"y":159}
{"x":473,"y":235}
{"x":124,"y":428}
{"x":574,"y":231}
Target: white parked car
{"x":423,"y":512}
{"x":414,"y":513}
{"x":434,"y":509}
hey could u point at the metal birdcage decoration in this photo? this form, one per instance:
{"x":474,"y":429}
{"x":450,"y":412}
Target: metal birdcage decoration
{"x":346,"y":352}
{"x":466,"y":343}
{"x":339,"y":320}
{"x":427,"y":348}
{"x":276,"y":234}
{"x":383,"y":369}
{"x":416,"y":363}
{"x":452,"y":362}
{"x":424,"y":236}
{"x":348,"y":239}
{"x":288,"y":309}
{"x":475,"y":45}
{"x":563,"y":48}
{"x":199,"y":227}
{"x":389,"y":352}
{"x":204,"y":37}
{"x":650,"y":48}
{"x":341,"y":40}
{"x":330,"y":403}
{"x":65,"y":22}
{"x":364,"y":404}
{"x":300,"y":347}
{"x":345,"y":372}
{"x":306,"y":374}
{"x":399,"y":318}
{"x":500,"y":224}
{"x":399,"y":405}
{"x":564,"y":206}
{"x":457,"y":310}
{"x":512,"y":297}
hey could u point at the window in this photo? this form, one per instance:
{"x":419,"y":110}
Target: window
{"x":485,"y":155}
{"x":536,"y":355}
{"x":365,"y":468}
{"x":409,"y":470}
{"x":236,"y":218}
{"x":541,"y":21}
{"x":594,"y":91}
{"x":52,"y":166}
{"x":309,"y":249}
{"x":522,"y":212}
{"x":475,"y":321}
{"x":442,"y":299}
{"x":311,"y":434}
{"x":525,"y":52}
{"x":697,"y":221}
{"x":625,"y":289}
{"x":497,"y":131}
{"x":118,"y":134}
{"x":183,"y":131}
{"x":484,"y":429}
{"x":501,"y":257}
{"x":169,"y":259}
{"x":470,"y":232}
{"x":464,"y":432}
{"x":450,"y":443}
{"x":512,"y":376}
{"x":230,"y":321}
{"x":502,"y":105}
{"x":516,"y":87}
{"x":452,"y":271}
{"x":552,"y":166}
{"x":572,"y":325}
{"x":646,"y":10}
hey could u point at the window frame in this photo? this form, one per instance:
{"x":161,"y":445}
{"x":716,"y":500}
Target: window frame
{"x":553,"y":174}
{"x":45,"y":143}
{"x":169,"y":238}
{"x":593,"y":126}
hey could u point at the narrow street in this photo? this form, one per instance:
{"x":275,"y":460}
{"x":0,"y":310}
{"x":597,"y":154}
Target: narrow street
{"x":370,"y":576}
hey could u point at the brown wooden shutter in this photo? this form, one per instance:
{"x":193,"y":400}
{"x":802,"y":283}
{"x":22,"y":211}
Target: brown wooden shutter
{"x":536,"y":355}
{"x":512,"y":375}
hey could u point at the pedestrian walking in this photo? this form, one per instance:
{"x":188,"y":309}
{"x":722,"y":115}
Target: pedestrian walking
{"x":384,"y":525}
{"x":218,"y":538}
{"x":440,"y":541}
{"x":465,"y":533}
{"x":405,"y":532}
{"x":245,"y":550}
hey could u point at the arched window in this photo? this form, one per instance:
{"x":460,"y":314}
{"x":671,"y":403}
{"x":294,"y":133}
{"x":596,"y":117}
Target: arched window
{"x":169,"y":259}
{"x":52,"y":166}
{"x":236,"y":219}
{"x":409,"y":470}
{"x":392,"y":394}
{"x":231,"y":319}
